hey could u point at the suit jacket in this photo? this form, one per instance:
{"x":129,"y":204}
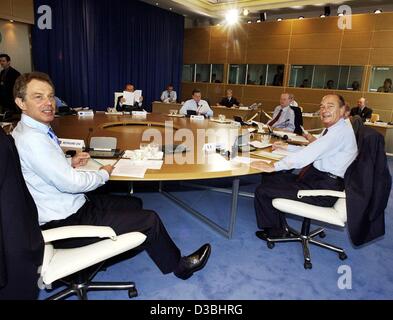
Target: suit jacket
{"x":298,"y":120}
{"x":21,"y":242}
{"x":365,"y":114}
{"x":367,"y":186}
{"x":127,"y":108}
{"x":6,"y":89}
{"x":229,"y":104}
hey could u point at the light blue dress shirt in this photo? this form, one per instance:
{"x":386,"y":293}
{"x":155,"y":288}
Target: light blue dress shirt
{"x":332,"y":153}
{"x":287,"y":119}
{"x":172,"y":96}
{"x":202,"y":107}
{"x":57,"y":188}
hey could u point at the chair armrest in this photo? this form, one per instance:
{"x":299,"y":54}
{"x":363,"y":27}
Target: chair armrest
{"x":318,"y":193}
{"x":78,"y":232}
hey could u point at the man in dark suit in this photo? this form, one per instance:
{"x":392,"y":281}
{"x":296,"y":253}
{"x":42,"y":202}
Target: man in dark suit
{"x":229,"y":101}
{"x":8,"y":77}
{"x":21,"y":243}
{"x":121,"y":101}
{"x":362,"y":110}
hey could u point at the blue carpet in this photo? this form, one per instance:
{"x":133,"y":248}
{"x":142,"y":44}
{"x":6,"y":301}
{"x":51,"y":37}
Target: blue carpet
{"x":244,"y":268}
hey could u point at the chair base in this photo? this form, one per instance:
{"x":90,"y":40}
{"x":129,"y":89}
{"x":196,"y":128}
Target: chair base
{"x":81,"y":289}
{"x":81,"y":283}
{"x":306,"y":237}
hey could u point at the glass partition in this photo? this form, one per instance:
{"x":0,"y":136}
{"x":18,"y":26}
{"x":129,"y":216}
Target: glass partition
{"x":188,"y":73}
{"x":381,"y":79}
{"x":237,"y":73}
{"x":217,"y":73}
{"x":202,"y":73}
{"x":326,"y":77}
{"x":275,"y":75}
{"x":257,"y":74}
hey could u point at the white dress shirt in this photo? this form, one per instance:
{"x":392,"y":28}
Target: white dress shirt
{"x":201,"y":107}
{"x":169,"y":96}
{"x":332,"y":153}
{"x":286,"y":120}
{"x":57,"y":188}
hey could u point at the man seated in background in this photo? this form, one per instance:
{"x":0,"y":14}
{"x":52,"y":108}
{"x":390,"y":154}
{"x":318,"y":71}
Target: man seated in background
{"x":169,"y":95}
{"x":8,"y":76}
{"x":121,"y":101}
{"x":229,"y":101}
{"x":387,"y":86}
{"x":283,"y":116}
{"x":323,"y":163}
{"x":196,"y":105}
{"x":59,"y":190}
{"x":362,"y":110}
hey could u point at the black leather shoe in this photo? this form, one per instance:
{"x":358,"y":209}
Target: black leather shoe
{"x":193,"y":263}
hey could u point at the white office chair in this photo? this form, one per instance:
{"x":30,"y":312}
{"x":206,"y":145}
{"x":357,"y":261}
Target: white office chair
{"x":336,"y":215}
{"x":61,"y":263}
{"x":103,"y":143}
{"x":117,"y":95}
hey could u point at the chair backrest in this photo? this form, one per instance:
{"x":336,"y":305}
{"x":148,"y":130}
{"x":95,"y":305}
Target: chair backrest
{"x":117,"y":95}
{"x":103,"y":143}
{"x":298,"y":120}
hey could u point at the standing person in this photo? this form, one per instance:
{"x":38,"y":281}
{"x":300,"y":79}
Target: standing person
{"x":59,"y":190}
{"x":8,"y":77}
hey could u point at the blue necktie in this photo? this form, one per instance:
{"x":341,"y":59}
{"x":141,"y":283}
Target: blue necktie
{"x":53,"y":136}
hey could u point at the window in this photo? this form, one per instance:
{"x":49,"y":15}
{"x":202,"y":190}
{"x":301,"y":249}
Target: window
{"x":217,"y":73}
{"x":237,"y":73}
{"x":188,"y":73}
{"x":275,"y":75}
{"x":326,"y":77}
{"x":381,"y":79}
{"x":202,"y":73}
{"x":257,"y":74}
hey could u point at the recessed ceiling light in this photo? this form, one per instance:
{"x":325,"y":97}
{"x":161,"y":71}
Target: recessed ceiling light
{"x":170,"y":9}
{"x":249,"y":21}
{"x":232,"y":17}
{"x":12,"y":21}
{"x":156,"y":3}
{"x":378,"y":11}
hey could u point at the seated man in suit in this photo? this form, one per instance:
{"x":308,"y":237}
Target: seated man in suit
{"x":59,"y":190}
{"x":121,"y":106}
{"x":169,"y":95}
{"x":229,"y":101}
{"x":196,"y":104}
{"x":324,"y":164}
{"x":284,"y":116}
{"x":362,"y":110}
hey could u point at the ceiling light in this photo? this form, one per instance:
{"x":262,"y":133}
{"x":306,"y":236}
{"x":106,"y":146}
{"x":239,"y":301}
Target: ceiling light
{"x":245,"y":12}
{"x":378,"y":11}
{"x":156,"y":3}
{"x":12,"y":21}
{"x":170,"y":9}
{"x":232,"y":17}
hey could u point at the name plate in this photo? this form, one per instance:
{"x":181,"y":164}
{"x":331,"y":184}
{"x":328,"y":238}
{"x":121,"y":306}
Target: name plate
{"x":87,"y":113}
{"x":198,"y":118}
{"x":71,"y":143}
{"x":139,"y":113}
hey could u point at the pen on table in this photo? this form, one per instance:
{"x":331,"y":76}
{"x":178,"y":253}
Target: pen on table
{"x":97,"y":162}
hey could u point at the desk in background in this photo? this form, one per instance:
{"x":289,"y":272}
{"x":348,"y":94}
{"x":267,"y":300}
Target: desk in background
{"x":387,"y":131}
{"x":160,"y":107}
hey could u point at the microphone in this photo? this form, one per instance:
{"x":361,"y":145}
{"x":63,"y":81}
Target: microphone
{"x":87,"y":141}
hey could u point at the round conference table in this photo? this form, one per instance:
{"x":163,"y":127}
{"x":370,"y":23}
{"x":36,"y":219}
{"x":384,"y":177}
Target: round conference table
{"x":194,"y":164}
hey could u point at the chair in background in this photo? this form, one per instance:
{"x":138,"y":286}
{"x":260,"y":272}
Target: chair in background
{"x":117,"y":95}
{"x":59,"y":264}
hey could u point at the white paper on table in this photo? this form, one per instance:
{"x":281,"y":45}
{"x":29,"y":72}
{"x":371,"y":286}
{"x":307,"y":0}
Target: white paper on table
{"x":94,"y":165}
{"x":130,"y":98}
{"x":282,"y":152}
{"x":246,"y":160}
{"x":298,"y":139}
{"x":147,"y":164}
{"x":126,"y":168}
{"x":260,"y":145}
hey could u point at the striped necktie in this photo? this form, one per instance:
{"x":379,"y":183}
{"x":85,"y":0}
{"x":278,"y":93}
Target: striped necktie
{"x":53,"y":136}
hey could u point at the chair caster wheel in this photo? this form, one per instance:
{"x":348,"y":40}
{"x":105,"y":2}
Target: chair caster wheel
{"x":342,"y":256}
{"x":322,"y":235}
{"x":307,"y":265}
{"x":132,"y":293}
{"x":270,"y":245}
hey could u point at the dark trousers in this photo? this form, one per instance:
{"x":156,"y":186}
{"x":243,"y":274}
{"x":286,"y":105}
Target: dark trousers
{"x":286,"y":185}
{"x":123,"y":215}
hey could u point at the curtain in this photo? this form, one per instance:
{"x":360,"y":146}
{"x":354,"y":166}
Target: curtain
{"x":95,"y":47}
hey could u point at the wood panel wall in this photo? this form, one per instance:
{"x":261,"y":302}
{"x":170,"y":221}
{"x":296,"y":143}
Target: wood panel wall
{"x":18,"y":10}
{"x":308,"y":41}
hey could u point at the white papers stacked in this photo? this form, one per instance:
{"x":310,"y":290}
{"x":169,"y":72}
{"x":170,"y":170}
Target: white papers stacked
{"x":94,"y":165}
